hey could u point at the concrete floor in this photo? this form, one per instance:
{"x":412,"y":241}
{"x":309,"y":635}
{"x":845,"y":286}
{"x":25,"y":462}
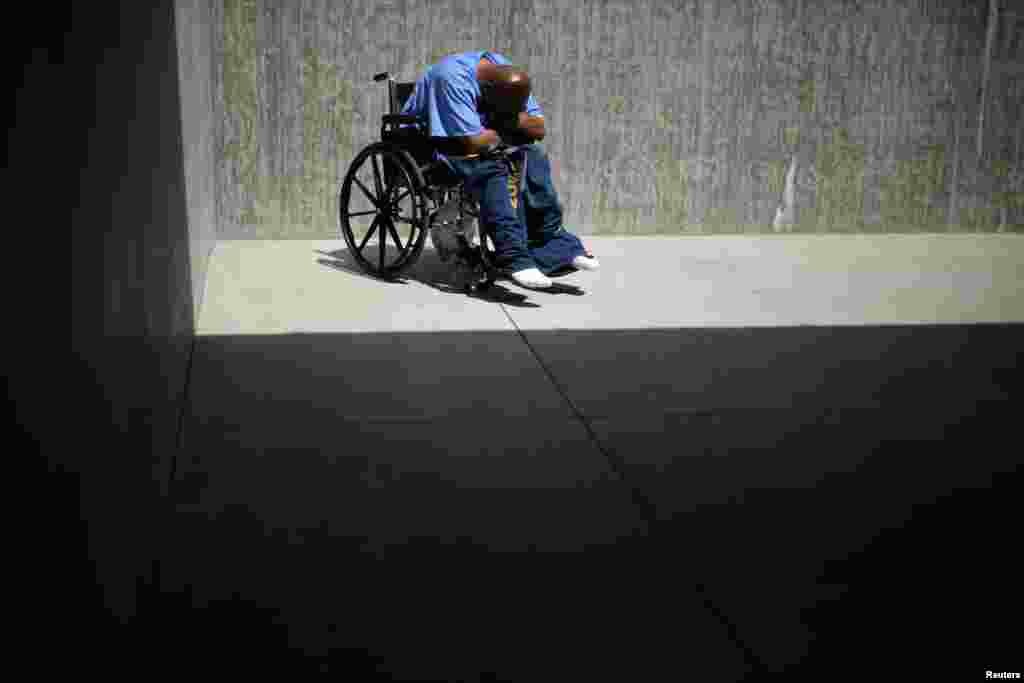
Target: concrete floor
{"x":707,"y":427}
{"x":298,"y":286}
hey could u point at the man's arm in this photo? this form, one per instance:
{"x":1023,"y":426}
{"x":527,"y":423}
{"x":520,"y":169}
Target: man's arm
{"x":522,"y":130}
{"x":469,"y":144}
{"x":526,"y":130}
{"x":531,"y":126}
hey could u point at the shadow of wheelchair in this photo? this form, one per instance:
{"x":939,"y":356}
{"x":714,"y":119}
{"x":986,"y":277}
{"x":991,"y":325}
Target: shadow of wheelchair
{"x":341,"y":259}
{"x":445,"y":277}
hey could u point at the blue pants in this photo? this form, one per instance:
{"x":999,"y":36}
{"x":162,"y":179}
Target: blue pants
{"x":530,"y":235}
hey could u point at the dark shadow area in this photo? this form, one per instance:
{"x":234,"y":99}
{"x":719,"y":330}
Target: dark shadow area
{"x":739,"y":503}
{"x":838,"y":484}
{"x":105,"y":427}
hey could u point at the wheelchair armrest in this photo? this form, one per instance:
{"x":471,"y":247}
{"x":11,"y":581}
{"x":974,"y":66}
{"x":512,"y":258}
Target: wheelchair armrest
{"x":400,"y":118}
{"x":499,"y":151}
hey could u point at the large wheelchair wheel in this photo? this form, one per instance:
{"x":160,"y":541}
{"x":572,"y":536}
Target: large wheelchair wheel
{"x":380,"y":199}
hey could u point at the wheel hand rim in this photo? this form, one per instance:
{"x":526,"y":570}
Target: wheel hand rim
{"x":383,"y":242}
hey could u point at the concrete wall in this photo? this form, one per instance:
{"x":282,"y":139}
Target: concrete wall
{"x":194,"y":21}
{"x":115,"y":421}
{"x":678,"y":117}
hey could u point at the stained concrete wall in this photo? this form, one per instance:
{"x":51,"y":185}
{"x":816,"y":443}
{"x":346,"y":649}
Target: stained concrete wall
{"x":684,"y":117}
{"x":194,"y":22}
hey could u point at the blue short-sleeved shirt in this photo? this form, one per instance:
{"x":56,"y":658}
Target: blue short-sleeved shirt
{"x":447,"y":96}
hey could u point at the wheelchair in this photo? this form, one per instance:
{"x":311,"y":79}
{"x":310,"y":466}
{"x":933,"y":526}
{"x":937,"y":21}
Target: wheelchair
{"x":395,"y":191}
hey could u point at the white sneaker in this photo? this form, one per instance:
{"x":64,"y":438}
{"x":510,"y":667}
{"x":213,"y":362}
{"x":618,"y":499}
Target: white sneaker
{"x":531,"y":277}
{"x":586,"y":262}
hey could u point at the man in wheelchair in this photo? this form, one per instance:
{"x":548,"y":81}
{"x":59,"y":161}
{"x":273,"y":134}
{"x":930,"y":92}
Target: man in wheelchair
{"x":474,"y":102}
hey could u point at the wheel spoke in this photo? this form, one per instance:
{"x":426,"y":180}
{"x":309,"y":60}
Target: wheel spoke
{"x":383,"y":244}
{"x":369,"y":195}
{"x":360,"y":213}
{"x":395,"y":210}
{"x":368,"y":235}
{"x":402,"y":219}
{"x":377,"y":181}
{"x":404,"y":195}
{"x":394,"y":234}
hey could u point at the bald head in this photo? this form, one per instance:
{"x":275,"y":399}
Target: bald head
{"x":505,"y":87}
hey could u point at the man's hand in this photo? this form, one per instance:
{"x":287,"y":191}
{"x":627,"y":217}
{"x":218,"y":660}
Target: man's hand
{"x":468,"y":144}
{"x":520,"y":130}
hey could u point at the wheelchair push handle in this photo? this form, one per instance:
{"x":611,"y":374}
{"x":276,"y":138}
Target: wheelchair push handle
{"x":383,"y":76}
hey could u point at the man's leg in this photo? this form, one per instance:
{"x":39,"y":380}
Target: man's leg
{"x":487,"y":183}
{"x":552,"y":247}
